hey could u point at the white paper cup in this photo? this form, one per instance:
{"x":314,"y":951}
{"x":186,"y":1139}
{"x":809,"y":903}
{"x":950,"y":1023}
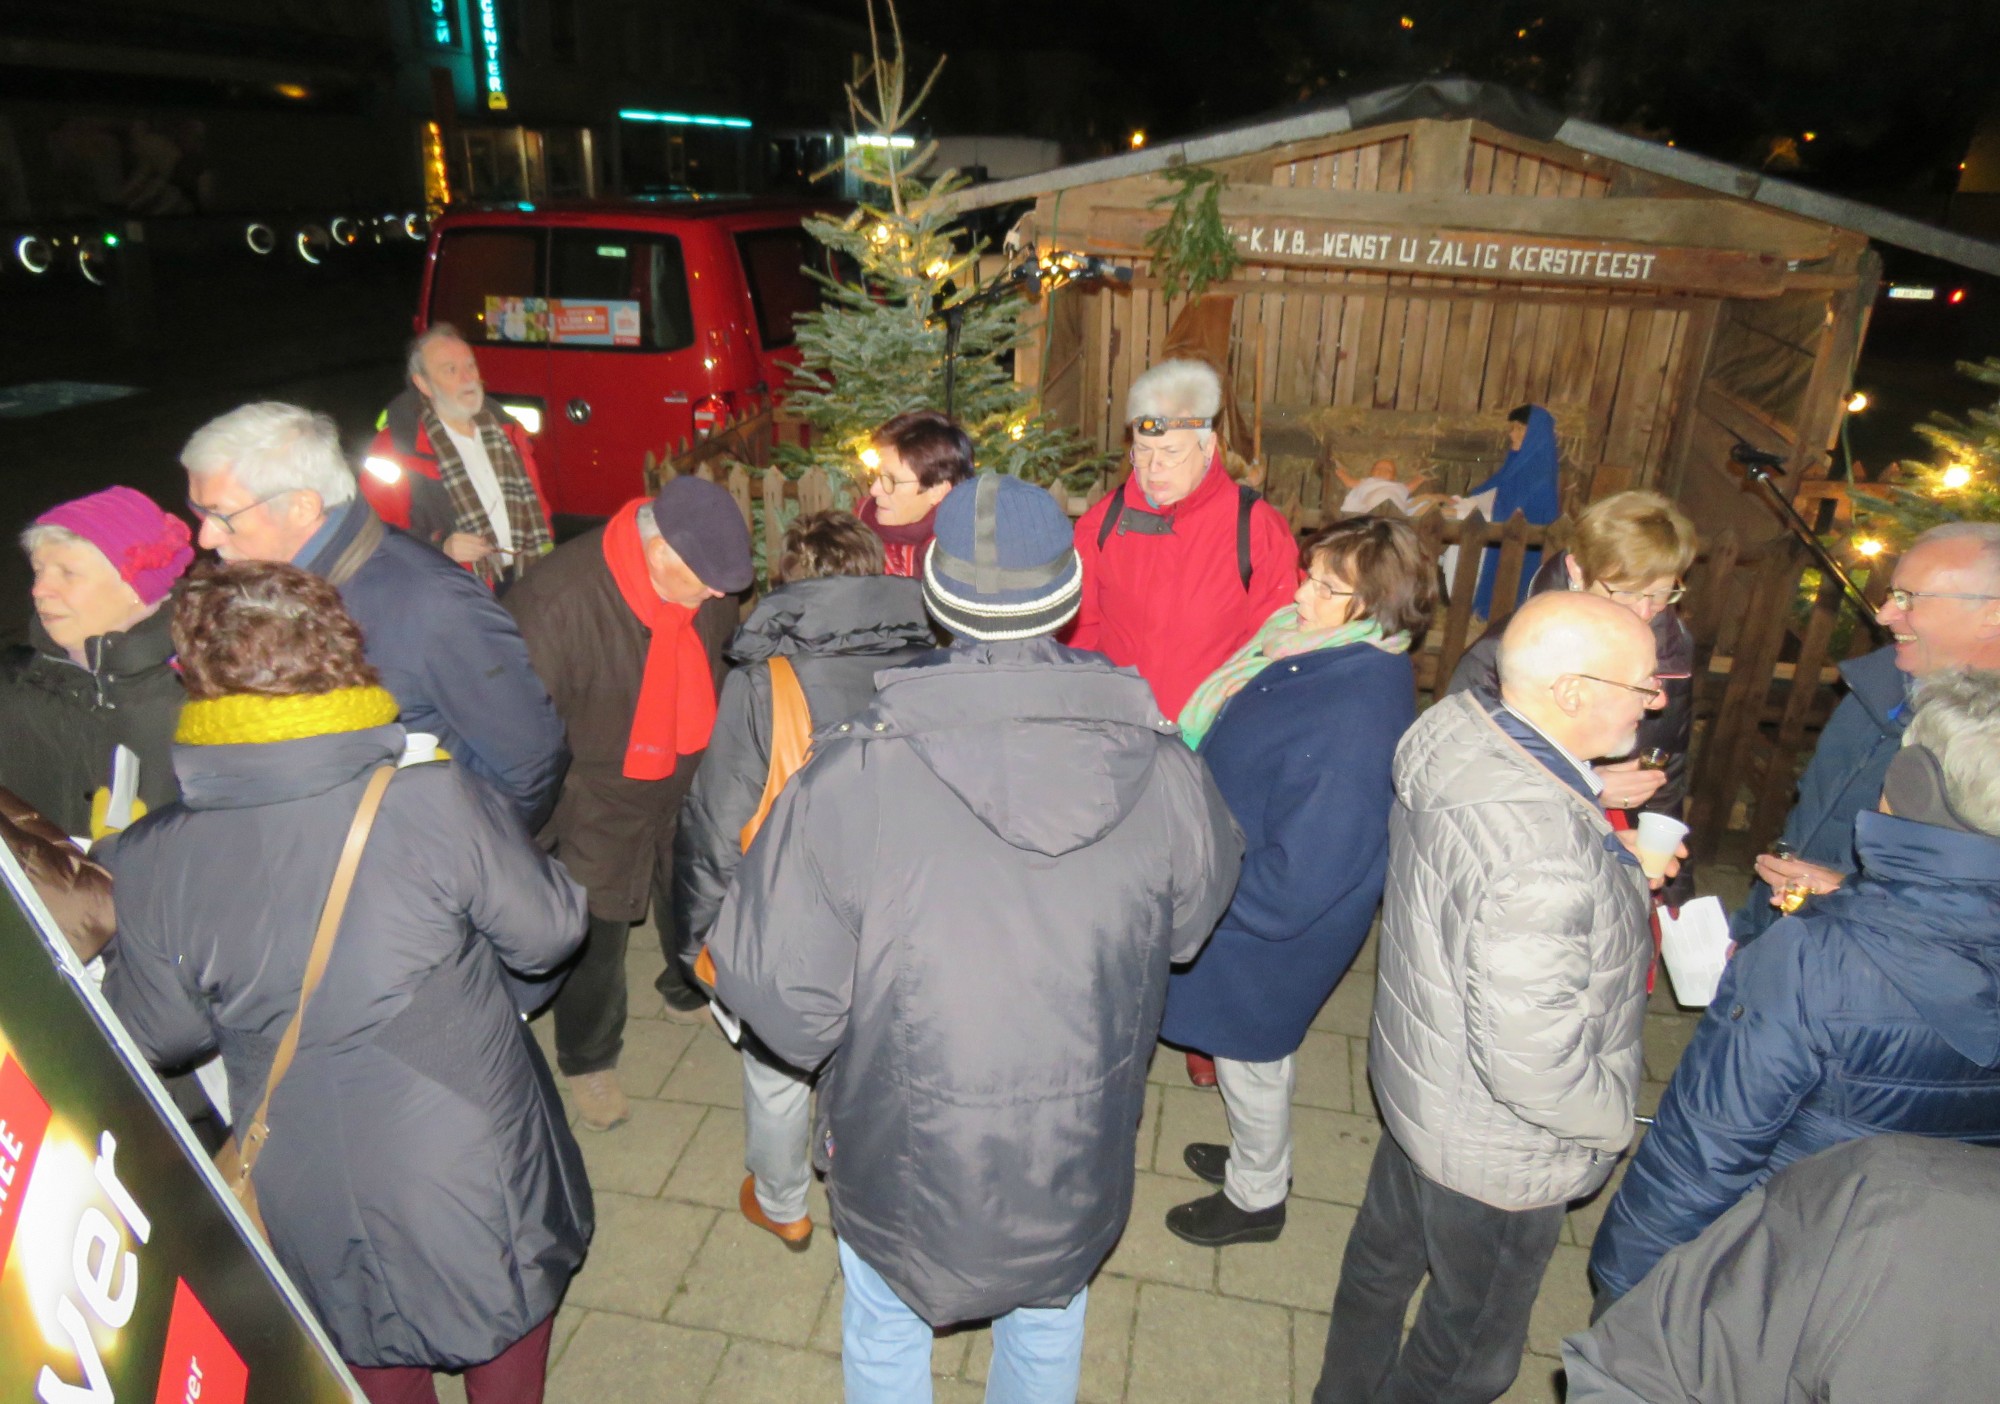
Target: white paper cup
{"x":1660,"y":838}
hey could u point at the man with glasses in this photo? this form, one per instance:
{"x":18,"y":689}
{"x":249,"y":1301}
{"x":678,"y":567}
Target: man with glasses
{"x":267,"y":482}
{"x":1505,"y":1049}
{"x":1944,"y":612}
{"x":1632,"y":548}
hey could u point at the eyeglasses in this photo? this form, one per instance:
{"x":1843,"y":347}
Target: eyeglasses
{"x":1649,"y":693}
{"x":889,"y":483}
{"x":227,"y":520}
{"x":1901,"y":598}
{"x":1656,"y":597}
{"x":1324,"y":590}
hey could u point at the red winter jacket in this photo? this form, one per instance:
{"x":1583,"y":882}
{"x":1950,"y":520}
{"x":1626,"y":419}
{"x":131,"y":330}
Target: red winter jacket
{"x":1174,"y":606}
{"x":416,"y":499}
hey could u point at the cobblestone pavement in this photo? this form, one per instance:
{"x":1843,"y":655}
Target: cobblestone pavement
{"x":683,"y":1300}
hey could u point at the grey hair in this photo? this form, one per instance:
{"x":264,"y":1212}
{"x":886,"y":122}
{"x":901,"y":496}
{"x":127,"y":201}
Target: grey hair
{"x":649,"y":526}
{"x":41,"y":534}
{"x":1987,"y":534}
{"x":1175,"y":390}
{"x":272,"y":448}
{"x":1957,"y":719}
{"x":437,"y":331}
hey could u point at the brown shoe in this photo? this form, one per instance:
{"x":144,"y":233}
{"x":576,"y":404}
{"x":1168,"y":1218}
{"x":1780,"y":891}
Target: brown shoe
{"x":797,"y":1235}
{"x":600,"y":1101}
{"x":1201,"y":1070}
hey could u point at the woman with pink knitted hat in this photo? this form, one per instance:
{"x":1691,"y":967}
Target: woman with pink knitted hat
{"x":97,"y":671}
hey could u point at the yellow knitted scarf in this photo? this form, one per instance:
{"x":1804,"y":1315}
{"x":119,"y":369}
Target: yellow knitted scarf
{"x":246,"y":718}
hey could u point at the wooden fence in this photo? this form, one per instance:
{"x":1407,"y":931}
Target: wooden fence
{"x":1767,"y":641}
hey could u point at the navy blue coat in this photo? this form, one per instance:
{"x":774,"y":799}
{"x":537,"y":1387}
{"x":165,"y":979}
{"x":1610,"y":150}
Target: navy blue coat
{"x":1878,"y":1011}
{"x":1303,"y":757}
{"x":1843,"y":779}
{"x":455,"y":661}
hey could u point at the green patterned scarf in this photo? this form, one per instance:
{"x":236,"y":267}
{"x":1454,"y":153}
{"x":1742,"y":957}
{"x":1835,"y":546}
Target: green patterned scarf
{"x":1281,"y":637}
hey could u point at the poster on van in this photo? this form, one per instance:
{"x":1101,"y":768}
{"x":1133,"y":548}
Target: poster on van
{"x":578,"y":323}
{"x":125,"y":1270}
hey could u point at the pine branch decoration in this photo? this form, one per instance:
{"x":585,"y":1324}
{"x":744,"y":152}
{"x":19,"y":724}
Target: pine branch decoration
{"x":1193,"y":248}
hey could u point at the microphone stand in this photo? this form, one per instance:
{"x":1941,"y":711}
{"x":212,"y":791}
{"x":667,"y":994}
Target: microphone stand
{"x":1031,"y":273}
{"x":1757,"y":466}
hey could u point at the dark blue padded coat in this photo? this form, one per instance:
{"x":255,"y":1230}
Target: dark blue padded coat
{"x":1303,"y":756}
{"x":1879,"y":1011}
{"x":1843,"y":779}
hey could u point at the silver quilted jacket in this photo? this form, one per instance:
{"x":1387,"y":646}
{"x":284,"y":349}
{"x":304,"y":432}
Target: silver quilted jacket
{"x":1512,"y":987}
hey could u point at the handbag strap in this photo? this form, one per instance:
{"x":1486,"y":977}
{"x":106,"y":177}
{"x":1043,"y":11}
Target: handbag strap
{"x":252,"y":1142}
{"x":791,"y":741}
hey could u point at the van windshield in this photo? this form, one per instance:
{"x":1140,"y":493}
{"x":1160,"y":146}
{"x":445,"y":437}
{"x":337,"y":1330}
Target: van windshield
{"x":569,"y":289}
{"x":774,"y":263}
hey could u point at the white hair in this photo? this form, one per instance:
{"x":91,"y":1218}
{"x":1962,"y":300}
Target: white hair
{"x":437,"y":331}
{"x":41,"y":534}
{"x":1957,"y":719}
{"x":1987,"y":534}
{"x":1175,"y":390}
{"x":649,"y":525}
{"x":273,"y":448}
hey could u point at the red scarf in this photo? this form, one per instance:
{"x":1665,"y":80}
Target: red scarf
{"x":677,"y":693}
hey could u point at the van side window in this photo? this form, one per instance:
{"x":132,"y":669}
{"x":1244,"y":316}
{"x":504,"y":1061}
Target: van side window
{"x":780,"y":290}
{"x":474,"y":265}
{"x":613,"y":266}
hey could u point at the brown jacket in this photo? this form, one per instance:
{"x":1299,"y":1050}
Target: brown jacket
{"x":590,"y":650}
{"x":76,"y":891}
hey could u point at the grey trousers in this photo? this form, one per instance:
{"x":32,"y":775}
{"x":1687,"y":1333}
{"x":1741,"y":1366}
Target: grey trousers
{"x":1258,"y":1100}
{"x":777,"y":1129}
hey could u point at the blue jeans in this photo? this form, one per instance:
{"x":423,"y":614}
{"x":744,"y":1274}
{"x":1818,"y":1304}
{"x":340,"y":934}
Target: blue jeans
{"x":885,"y":1348}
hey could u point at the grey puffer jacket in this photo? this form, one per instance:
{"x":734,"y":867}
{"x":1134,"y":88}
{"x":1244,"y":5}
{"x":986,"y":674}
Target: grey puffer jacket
{"x":1512,"y":973}
{"x":838,"y":633}
{"x":420,"y":1183}
{"x":968,"y":900}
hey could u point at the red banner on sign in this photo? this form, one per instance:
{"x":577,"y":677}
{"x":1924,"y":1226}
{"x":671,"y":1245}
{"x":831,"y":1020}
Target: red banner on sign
{"x":198,"y":1362}
{"x":24,"y":1120}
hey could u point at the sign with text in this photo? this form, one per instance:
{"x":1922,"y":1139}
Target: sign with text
{"x":1313,"y":242}
{"x":563,"y":321}
{"x":123,"y":1276}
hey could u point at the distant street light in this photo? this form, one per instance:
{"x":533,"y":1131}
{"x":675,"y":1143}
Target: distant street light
{"x":1857,"y":402}
{"x":1138,"y":139}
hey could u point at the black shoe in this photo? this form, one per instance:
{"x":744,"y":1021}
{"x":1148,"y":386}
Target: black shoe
{"x":1214,"y":1221}
{"x":1207,"y":1160}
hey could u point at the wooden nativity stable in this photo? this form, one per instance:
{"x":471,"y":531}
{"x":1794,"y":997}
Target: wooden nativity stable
{"x":1419,"y":261}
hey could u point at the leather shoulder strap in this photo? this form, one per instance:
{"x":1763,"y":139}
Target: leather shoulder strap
{"x":366,"y":538}
{"x":252,"y":1142}
{"x":791,"y":740}
{"x":1246,"y":499}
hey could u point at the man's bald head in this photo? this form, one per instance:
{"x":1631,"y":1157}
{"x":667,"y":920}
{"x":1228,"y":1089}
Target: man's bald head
{"x":1576,"y":666}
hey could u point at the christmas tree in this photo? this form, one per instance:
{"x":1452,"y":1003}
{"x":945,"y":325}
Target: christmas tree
{"x":1961,"y":483}
{"x":878,"y":345}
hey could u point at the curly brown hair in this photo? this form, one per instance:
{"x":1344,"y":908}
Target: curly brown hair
{"x":1383,"y":560}
{"x":266,"y":628}
{"x":829,"y":543}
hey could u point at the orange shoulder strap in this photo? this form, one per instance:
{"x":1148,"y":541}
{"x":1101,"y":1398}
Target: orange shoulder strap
{"x":791,"y":740}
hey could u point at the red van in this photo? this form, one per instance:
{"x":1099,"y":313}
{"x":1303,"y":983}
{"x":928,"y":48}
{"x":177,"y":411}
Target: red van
{"x":611,"y":330}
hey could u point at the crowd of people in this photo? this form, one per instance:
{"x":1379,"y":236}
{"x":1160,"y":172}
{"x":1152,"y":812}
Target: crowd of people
{"x":972,"y":810}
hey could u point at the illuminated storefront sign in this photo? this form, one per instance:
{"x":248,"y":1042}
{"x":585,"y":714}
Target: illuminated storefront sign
{"x":443,"y":31}
{"x":123,"y":1276}
{"x":489,"y":54}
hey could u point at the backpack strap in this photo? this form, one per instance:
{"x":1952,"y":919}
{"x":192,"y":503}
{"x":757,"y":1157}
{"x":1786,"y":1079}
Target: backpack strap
{"x":1112,"y":514}
{"x":1246,"y":498}
{"x":791,"y":740}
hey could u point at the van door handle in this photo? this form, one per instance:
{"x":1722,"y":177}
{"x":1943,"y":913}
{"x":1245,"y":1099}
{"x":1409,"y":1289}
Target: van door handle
{"x":579,"y":411}
{"x":679,"y":397}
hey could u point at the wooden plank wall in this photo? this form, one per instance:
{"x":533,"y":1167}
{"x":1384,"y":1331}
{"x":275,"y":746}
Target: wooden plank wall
{"x":1412,"y":342}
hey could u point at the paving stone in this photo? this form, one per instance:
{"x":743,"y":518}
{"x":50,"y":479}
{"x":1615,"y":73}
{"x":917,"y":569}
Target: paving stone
{"x":1147,"y":1250}
{"x":1364,"y":959}
{"x":710,"y":1170}
{"x":1300,"y":1269}
{"x":952,"y":1348}
{"x":1199,"y":1348}
{"x":709,"y":1071}
{"x":1308,"y":1351}
{"x":1357,"y":1063}
{"x":652,"y":1047}
{"x":1331,"y":1152}
{"x":641,"y":1248}
{"x":1563,"y":1304}
{"x":616,"y":1359}
{"x":1149,"y":1129}
{"x":747,"y":1283}
{"x":1187,"y":1114}
{"x":948,"y":1351}
{"x":1169,"y":1068}
{"x":1667,"y":1038}
{"x":1107,"y":1342}
{"x":1324,"y":1079}
{"x":568,"y":1318}
{"x":635,"y":1158}
{"x":1537,"y":1382}
{"x":756,"y":1372}
{"x":1649,"y":1097}
{"x":1350,"y":1006}
{"x":1585,"y":1217}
